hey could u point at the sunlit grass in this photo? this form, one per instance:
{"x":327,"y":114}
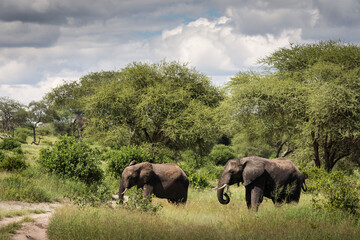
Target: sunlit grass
{"x":204,"y":218}
{"x":32,"y":151}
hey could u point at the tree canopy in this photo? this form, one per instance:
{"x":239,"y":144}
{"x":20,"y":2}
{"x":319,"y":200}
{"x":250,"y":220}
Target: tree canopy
{"x":167,"y":103}
{"x":310,"y":99}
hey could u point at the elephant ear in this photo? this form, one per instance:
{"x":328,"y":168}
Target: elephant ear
{"x":252,"y":170}
{"x":146,"y":172}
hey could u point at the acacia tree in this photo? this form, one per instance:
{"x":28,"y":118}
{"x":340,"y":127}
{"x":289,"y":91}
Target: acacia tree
{"x":266,"y":111}
{"x":68,"y":100}
{"x":38,"y":112}
{"x":11,"y":114}
{"x":167,"y":103}
{"x":316,"y":89}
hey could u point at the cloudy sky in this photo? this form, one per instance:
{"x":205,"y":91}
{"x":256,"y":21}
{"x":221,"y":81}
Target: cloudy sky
{"x":43,"y":42}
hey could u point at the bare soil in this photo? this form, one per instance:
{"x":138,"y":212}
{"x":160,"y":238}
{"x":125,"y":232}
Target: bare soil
{"x":29,"y":230}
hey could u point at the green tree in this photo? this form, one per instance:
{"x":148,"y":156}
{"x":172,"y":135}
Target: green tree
{"x":68,"y":100}
{"x":12,"y":114}
{"x":310,"y":99}
{"x":166,"y":103}
{"x":266,"y":111}
{"x":38,"y":113}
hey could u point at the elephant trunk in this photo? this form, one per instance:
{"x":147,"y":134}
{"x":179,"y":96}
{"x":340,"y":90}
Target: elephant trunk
{"x":220,"y":194}
{"x":223,"y":182}
{"x":122,"y":190}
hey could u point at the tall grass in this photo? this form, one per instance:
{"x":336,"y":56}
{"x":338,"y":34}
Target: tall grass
{"x":35,"y":185}
{"x":204,"y":218}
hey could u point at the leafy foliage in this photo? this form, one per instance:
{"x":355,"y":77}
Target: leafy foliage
{"x":220,"y":154}
{"x":94,"y":197}
{"x":309,"y":101}
{"x":198,"y":181}
{"x":118,"y":160}
{"x":337,"y":191}
{"x":9,"y":143}
{"x":138,"y":202}
{"x":12,"y":161}
{"x":71,"y":158}
{"x":192,"y":159}
{"x":166,"y":103}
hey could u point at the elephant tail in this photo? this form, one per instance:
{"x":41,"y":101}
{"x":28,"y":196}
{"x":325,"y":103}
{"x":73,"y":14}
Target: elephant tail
{"x":304,"y":187}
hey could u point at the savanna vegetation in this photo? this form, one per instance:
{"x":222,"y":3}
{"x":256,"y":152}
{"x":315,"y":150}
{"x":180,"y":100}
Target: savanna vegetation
{"x":72,"y":146}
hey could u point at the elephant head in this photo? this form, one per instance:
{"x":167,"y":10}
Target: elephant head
{"x":135,"y":174}
{"x":235,"y":171}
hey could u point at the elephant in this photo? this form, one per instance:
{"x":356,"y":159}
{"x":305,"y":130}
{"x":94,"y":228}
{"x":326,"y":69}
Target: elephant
{"x":165,"y":180}
{"x":278,"y":179}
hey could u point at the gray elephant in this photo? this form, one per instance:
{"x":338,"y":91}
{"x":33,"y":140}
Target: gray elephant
{"x":278,"y":179}
{"x":166,"y":180}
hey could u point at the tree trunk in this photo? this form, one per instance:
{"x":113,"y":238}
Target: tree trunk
{"x":279,"y":148}
{"x":316,"y":150}
{"x":34,"y":132}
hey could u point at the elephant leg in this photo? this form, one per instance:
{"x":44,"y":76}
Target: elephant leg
{"x":248,"y":197}
{"x":257,"y":192}
{"x":148,"y":191}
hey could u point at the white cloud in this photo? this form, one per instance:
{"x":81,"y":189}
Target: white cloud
{"x":14,"y":71}
{"x":25,"y":93}
{"x":43,"y":41}
{"x":214,"y":47}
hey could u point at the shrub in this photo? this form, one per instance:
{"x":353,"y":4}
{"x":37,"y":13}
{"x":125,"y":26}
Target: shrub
{"x":94,"y":197}
{"x":11,"y":162}
{"x":212,"y":171}
{"x":73,"y":159}
{"x":198,"y":181}
{"x":337,"y":191}
{"x":45,"y":130}
{"x":186,"y":168}
{"x":138,"y":202}
{"x":22,"y":137}
{"x":27,"y":131}
{"x":158,"y":153}
{"x":220,"y":154}
{"x":9,"y":143}
{"x":192,"y":159}
{"x":118,"y":160}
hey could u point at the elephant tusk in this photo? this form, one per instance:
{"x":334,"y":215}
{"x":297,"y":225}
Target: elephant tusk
{"x":124,"y":191}
{"x":223,"y":186}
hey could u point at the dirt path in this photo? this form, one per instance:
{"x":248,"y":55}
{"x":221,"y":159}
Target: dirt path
{"x":29,"y":230}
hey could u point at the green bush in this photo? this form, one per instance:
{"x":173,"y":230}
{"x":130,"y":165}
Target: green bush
{"x":11,"y":162}
{"x":138,"y":202}
{"x":73,"y":159}
{"x":186,"y":168}
{"x":158,"y":153}
{"x":27,"y":131}
{"x":212,"y":171}
{"x":22,"y":137}
{"x":335,"y":190}
{"x":9,"y":143}
{"x":94,"y":197}
{"x":198,"y":181}
{"x":46,"y":130}
{"x":118,"y":160}
{"x":192,"y":159}
{"x":220,"y":154}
